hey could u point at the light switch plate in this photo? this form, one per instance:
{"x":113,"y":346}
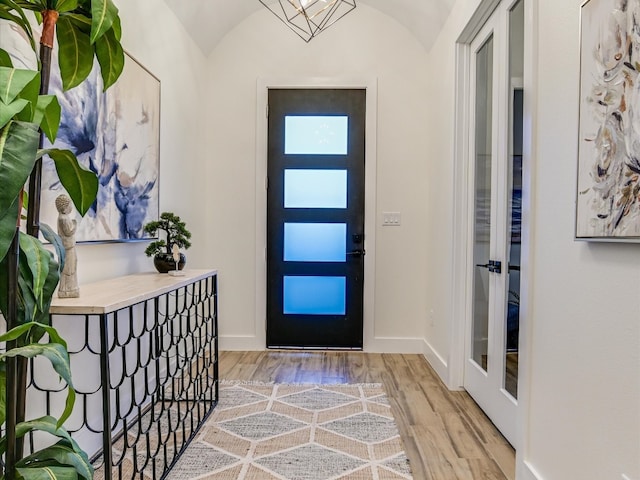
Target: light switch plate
{"x":391,"y":219}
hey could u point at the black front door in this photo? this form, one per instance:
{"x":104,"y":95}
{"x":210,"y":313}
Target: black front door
{"x":315,"y":218}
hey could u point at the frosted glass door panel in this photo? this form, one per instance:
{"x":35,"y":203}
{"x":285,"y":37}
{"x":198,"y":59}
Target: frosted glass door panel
{"x":318,"y":135}
{"x":315,"y":188}
{"x":514,"y":214}
{"x":481,"y":248}
{"x":314,"y":295}
{"x":315,"y":242}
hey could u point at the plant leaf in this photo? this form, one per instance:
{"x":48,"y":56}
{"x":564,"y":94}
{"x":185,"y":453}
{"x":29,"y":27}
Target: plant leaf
{"x":63,"y":453}
{"x":81,"y":184}
{"x":46,"y":424}
{"x":16,"y":332}
{"x":7,"y":112}
{"x":48,"y":473}
{"x":3,"y":393}
{"x":5,"y":59}
{"x":103,"y":13}
{"x":75,"y":55}
{"x":27,"y":302}
{"x":4,"y":284}
{"x":54,"y":239}
{"x":38,"y":261}
{"x":53,"y":278}
{"x":66,"y":5}
{"x":111,"y":58}
{"x":48,"y":115}
{"x":59,"y":357}
{"x":50,"y":285}
{"x":117,"y":28}
{"x":30,"y":93}
{"x":18,"y":148}
{"x":80,"y":21}
{"x":8,"y":221}
{"x":13,"y":81}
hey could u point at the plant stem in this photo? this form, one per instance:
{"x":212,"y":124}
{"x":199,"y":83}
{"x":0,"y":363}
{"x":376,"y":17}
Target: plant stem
{"x":11,"y":456}
{"x":49,"y":19}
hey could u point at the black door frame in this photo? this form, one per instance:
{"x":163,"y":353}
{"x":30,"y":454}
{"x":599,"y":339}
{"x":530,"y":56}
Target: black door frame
{"x":344,"y":331}
{"x":257,"y":340}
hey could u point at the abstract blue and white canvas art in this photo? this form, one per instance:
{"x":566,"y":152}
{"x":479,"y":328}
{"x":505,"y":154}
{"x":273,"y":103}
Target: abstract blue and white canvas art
{"x":116,"y":134}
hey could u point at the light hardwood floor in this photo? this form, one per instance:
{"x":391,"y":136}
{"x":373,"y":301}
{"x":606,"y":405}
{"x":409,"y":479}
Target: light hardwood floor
{"x":446,"y":436}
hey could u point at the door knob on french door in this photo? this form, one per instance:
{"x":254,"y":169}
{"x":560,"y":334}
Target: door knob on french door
{"x":356,"y":253}
{"x":494,"y":266}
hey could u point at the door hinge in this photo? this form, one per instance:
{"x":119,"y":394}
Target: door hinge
{"x":267,"y":111}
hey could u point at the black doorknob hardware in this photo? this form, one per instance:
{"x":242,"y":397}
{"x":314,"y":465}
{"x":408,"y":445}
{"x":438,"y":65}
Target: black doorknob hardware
{"x":494,"y":266}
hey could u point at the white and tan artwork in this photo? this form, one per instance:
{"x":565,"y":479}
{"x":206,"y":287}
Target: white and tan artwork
{"x":608,"y":197}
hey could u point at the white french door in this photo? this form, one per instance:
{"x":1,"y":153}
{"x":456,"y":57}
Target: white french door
{"x":495,"y":146}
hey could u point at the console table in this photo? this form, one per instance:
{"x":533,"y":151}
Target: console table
{"x":144,"y":359}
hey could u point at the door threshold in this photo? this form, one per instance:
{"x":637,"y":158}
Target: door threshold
{"x":328,"y":349}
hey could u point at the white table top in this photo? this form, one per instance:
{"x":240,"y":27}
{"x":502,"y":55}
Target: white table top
{"x":107,"y":296}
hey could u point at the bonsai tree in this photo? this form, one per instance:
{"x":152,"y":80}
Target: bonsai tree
{"x":175,"y":232}
{"x":29,"y":273}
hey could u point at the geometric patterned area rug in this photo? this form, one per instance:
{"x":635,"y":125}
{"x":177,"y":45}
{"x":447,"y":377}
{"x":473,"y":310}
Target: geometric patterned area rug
{"x":296,"y":432}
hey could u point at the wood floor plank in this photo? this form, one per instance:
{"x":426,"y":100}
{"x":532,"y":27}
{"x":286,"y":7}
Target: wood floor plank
{"x":465,"y":443}
{"x":504,"y":458}
{"x":445,"y":434}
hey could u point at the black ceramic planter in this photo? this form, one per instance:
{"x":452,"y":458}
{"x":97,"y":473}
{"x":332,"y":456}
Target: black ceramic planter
{"x":164,"y":262}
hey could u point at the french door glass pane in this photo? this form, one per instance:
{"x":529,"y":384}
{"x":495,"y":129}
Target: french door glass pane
{"x":307,"y":295}
{"x":316,"y":135}
{"x":308,"y":188}
{"x":482,"y":230}
{"x":516,"y":73}
{"x":315,"y":242}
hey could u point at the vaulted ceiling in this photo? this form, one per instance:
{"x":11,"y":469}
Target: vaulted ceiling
{"x":208,"y":21}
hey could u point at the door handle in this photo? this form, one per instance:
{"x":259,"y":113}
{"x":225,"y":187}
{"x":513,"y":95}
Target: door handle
{"x":356,"y":253}
{"x":494,"y":266}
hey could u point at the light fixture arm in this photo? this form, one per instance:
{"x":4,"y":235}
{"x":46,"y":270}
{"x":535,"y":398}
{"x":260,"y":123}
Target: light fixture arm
{"x":308,"y":18}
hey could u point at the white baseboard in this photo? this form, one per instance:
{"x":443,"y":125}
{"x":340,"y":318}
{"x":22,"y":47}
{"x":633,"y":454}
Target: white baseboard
{"x":393,"y":345}
{"x":436,"y":361}
{"x":241,"y":343}
{"x":378,"y":345}
{"x":526,"y":471}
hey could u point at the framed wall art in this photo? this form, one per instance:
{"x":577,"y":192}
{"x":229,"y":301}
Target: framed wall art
{"x":608,"y":185}
{"x":116,"y":134}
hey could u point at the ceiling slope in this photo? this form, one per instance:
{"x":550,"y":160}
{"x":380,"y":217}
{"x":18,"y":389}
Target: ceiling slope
{"x":208,"y":21}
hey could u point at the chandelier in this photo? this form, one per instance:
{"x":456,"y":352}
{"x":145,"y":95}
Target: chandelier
{"x":307,"y":18}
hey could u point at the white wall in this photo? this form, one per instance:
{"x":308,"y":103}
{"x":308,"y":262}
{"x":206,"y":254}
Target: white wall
{"x":440,"y":211}
{"x":584,"y":342}
{"x":154,"y":37}
{"x":364,"y":44}
{"x":585,"y":390}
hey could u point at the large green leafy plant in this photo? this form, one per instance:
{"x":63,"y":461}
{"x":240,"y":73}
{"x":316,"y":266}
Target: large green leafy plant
{"x":29,"y":273}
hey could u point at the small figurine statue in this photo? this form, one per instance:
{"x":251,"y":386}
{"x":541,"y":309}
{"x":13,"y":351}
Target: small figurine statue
{"x":67,"y":225}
